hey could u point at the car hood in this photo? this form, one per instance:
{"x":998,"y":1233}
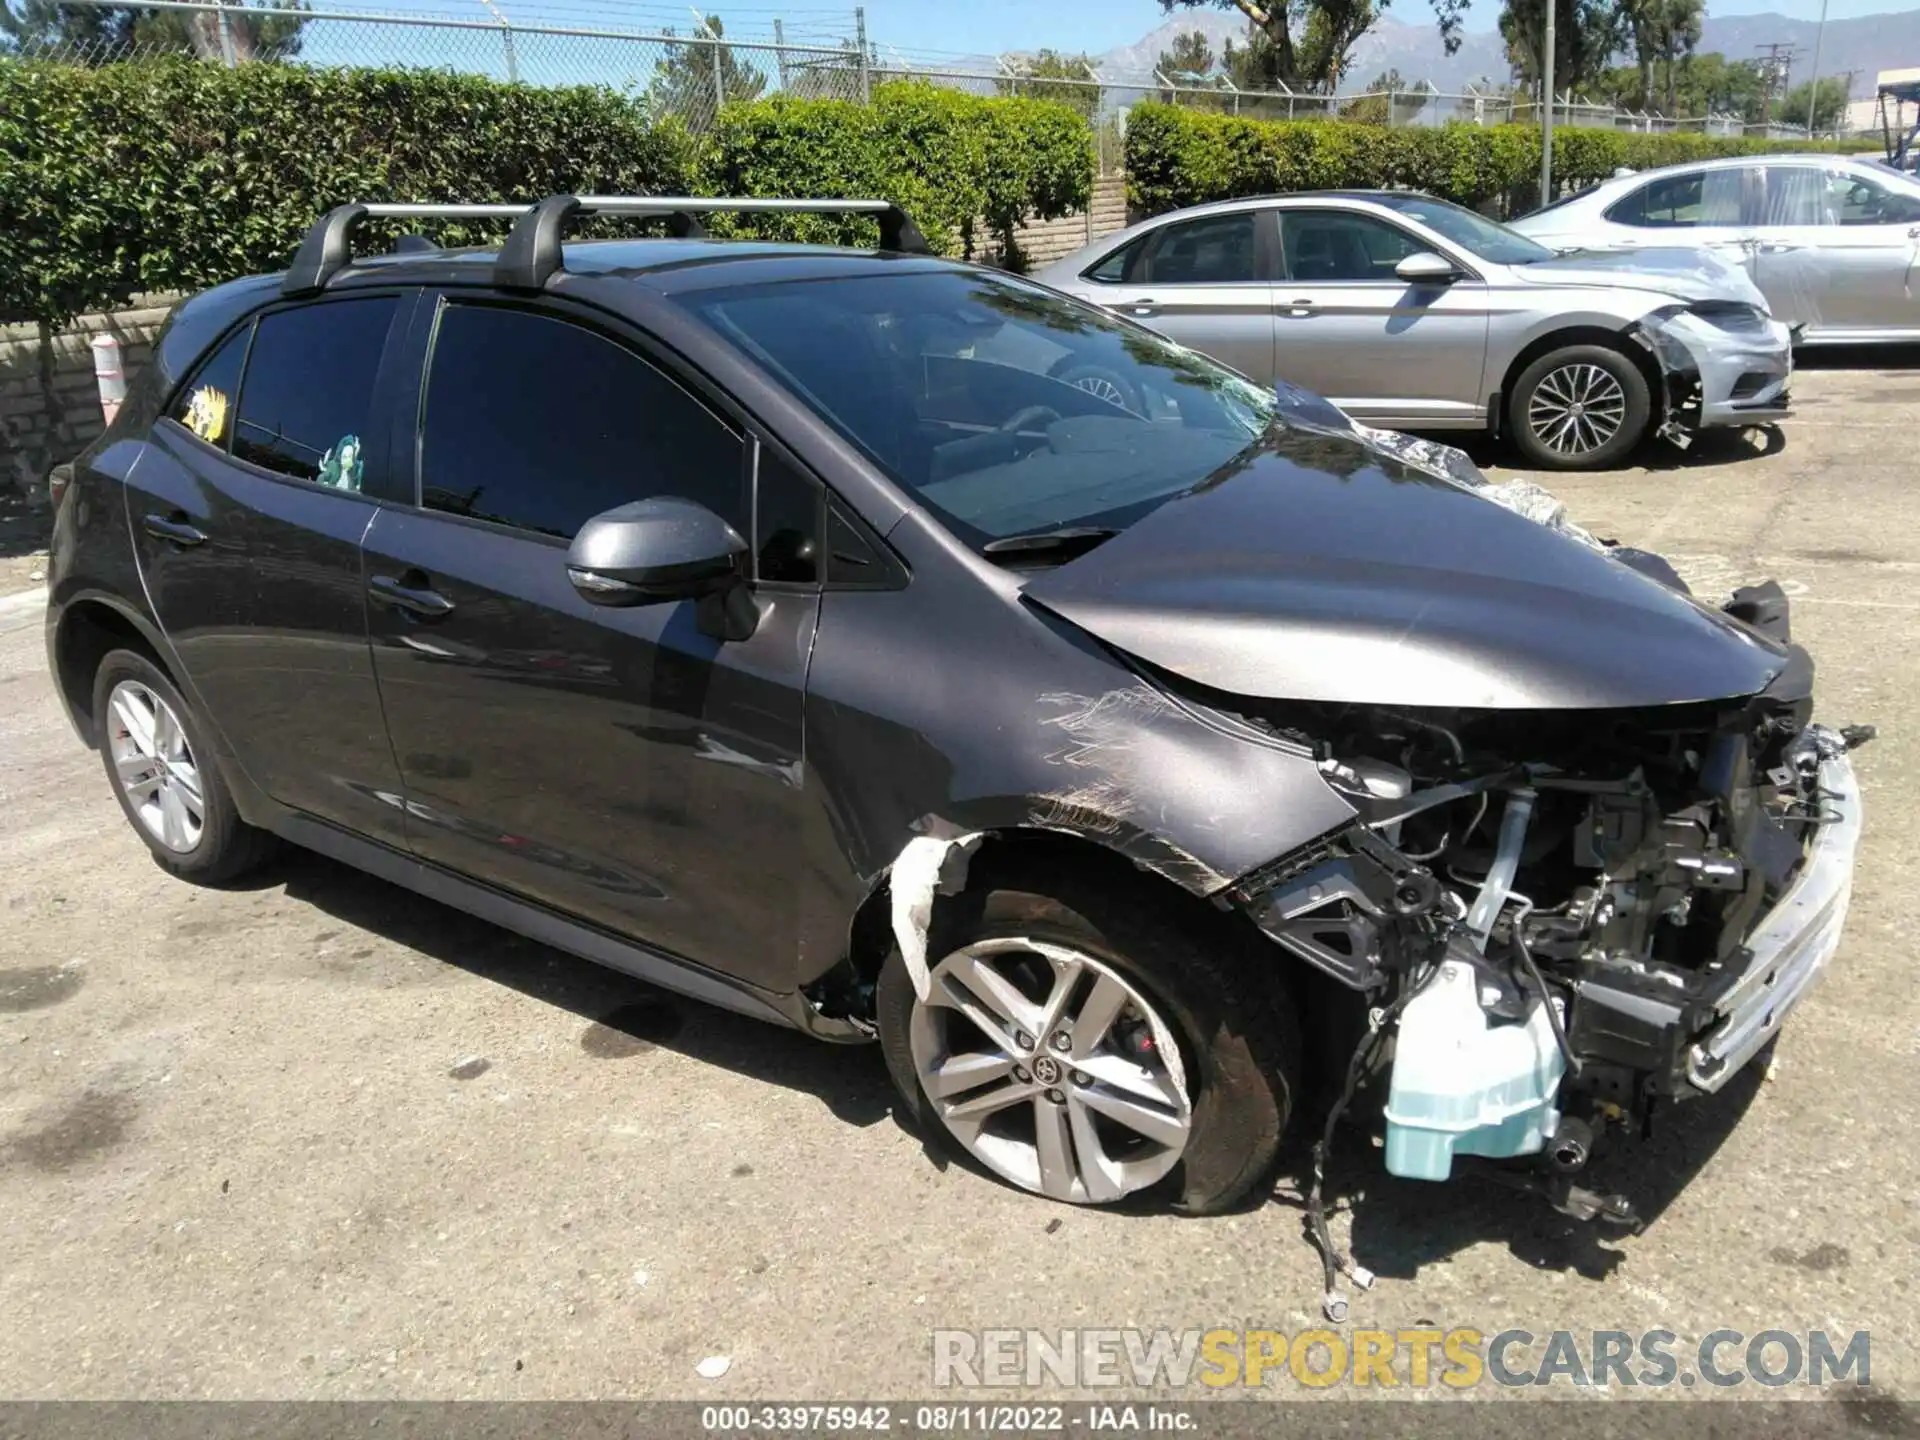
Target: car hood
{"x":1315,"y":568}
{"x":1683,"y":274}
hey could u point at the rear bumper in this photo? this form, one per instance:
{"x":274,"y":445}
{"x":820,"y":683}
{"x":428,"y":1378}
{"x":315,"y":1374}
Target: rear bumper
{"x":1791,"y":945}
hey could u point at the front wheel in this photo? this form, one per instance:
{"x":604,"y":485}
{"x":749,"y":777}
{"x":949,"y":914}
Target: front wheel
{"x":1090,"y":1046}
{"x":1582,"y":407}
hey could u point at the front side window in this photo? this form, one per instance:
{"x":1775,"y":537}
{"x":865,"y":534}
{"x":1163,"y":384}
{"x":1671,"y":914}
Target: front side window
{"x":1336,"y":245}
{"x":786,"y":521}
{"x":1219,"y":250}
{"x":1006,"y":409}
{"x":1693,"y":198}
{"x":541,"y":424}
{"x":205,"y":404}
{"x":1114,"y":268}
{"x":307,"y":398}
{"x":1852,"y":199}
{"x":1468,"y":229}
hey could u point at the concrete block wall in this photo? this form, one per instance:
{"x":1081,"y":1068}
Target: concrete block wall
{"x":1045,"y":241}
{"x":49,"y":402}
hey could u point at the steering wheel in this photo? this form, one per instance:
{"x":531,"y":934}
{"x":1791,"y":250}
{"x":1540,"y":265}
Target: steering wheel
{"x":1028,"y":415}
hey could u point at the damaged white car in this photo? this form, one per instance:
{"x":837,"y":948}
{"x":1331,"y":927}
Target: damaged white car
{"x":1418,"y":314}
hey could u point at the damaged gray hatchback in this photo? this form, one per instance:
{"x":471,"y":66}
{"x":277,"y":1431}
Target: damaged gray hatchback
{"x":788,"y":626}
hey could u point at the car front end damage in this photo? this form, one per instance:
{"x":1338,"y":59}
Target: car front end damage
{"x":1721,"y":363}
{"x":1557,"y":917}
{"x":1562,"y":919}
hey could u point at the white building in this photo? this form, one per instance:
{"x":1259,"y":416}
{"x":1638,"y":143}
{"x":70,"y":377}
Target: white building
{"x":1865,"y":114}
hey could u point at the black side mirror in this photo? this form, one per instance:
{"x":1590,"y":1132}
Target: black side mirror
{"x":667,"y":549}
{"x":654,"y":550}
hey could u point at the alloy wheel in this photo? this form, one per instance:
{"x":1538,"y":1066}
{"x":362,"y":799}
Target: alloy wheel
{"x":155,"y":766}
{"x":1577,"y":409}
{"x":1051,"y":1069}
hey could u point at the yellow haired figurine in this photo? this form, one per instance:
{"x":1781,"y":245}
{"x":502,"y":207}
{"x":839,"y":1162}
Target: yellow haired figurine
{"x":207,"y":414}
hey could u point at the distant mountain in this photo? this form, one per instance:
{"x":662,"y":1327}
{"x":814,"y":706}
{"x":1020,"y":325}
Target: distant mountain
{"x":1864,"y":45}
{"x":1137,"y":59}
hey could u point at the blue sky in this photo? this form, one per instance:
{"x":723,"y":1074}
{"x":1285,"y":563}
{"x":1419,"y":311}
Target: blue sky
{"x":1096,"y":25}
{"x":916,"y":28}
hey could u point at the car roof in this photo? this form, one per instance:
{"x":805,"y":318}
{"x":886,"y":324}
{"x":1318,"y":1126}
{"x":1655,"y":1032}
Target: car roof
{"x":1728,"y":162}
{"x":1288,"y":197}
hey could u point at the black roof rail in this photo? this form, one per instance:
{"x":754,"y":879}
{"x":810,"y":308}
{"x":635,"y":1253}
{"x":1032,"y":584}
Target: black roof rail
{"x":329,"y":244}
{"x":531,"y":256}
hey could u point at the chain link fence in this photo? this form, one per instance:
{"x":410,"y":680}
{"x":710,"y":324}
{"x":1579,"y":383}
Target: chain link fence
{"x":687,"y":63}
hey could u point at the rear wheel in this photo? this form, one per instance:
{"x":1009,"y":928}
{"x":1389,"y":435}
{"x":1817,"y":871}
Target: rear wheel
{"x":1579,"y":407}
{"x":162,"y":772}
{"x":1089,"y":1046}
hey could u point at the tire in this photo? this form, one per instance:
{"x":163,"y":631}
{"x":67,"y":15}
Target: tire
{"x":1103,"y":384}
{"x":183,"y":811}
{"x":1571,"y":394}
{"x":1233,"y":1024}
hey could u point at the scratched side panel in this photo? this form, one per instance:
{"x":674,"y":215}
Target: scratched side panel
{"x":948,"y":707}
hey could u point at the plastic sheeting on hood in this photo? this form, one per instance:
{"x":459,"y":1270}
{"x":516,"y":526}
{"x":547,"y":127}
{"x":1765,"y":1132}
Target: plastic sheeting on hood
{"x":1685,"y":274}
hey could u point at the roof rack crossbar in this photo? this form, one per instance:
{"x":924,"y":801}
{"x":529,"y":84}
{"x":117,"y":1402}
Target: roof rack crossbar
{"x":531,"y":256}
{"x":329,"y":244}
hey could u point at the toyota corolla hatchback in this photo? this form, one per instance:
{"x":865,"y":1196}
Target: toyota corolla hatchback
{"x":787,"y":626}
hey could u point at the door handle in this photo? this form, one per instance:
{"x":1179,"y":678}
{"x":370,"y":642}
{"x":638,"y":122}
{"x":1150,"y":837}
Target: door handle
{"x":1144,"y":307}
{"x":173,"y":527}
{"x":417,"y":599}
{"x":1301,"y":306}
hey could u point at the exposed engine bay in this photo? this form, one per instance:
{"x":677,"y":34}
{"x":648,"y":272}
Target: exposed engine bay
{"x":1556,"y":916}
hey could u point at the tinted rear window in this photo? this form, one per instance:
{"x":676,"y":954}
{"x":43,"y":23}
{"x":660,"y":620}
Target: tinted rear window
{"x":205,"y":406}
{"x":308,"y":393}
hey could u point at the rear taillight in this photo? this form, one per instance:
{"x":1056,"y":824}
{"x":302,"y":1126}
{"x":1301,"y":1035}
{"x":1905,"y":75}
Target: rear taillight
{"x":59,"y":481}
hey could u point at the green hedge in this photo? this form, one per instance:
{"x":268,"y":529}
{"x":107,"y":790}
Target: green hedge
{"x":1177,"y":156}
{"x":175,"y":175}
{"x":953,"y":160}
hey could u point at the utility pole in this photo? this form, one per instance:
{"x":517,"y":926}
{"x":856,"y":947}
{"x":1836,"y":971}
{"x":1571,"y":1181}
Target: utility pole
{"x":1546,"y":113}
{"x":1813,"y":89}
{"x":860,"y":37}
{"x":1776,"y":65}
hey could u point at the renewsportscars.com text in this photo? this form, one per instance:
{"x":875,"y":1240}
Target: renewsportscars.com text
{"x":1459,"y":1359}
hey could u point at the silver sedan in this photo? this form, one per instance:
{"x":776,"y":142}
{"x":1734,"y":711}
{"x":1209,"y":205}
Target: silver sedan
{"x":1415,"y":314}
{"x":1831,"y":242}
